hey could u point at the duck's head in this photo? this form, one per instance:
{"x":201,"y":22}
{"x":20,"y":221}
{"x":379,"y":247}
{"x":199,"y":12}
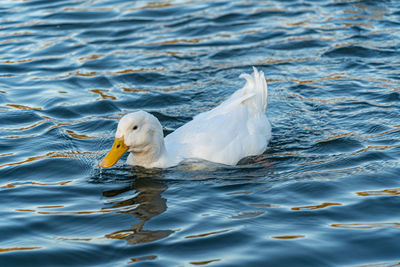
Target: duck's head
{"x":140,"y":133}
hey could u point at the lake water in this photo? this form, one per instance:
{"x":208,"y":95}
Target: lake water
{"x":325,"y":193}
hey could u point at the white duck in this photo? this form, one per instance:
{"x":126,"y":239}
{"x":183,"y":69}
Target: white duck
{"x":235,"y":129}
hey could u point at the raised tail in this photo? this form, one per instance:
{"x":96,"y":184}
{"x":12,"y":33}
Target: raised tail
{"x":256,"y":86}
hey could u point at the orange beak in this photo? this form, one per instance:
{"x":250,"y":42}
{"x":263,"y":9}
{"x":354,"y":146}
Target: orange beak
{"x":116,"y":152}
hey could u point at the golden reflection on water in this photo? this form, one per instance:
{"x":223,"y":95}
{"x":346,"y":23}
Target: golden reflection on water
{"x":22,"y":107}
{"x":143,"y":258}
{"x":135,"y":90}
{"x":79,"y":136}
{"x":395,"y":129}
{"x":157,"y":4}
{"x":365,"y":225}
{"x":6,"y":154}
{"x":342,"y":75}
{"x":273,"y":61}
{"x":208,"y":234}
{"x":65,"y":154}
{"x":374,"y":148}
{"x":137,"y":71}
{"x":25,"y":210}
{"x":93,"y":74}
{"x":203,"y":262}
{"x":14,"y":185}
{"x":18,"y":249}
{"x":16,"y":61}
{"x":20,"y":136}
{"x":85,"y":74}
{"x":166,"y":89}
{"x":50,"y":207}
{"x":288,"y":236}
{"x":30,"y":126}
{"x":102,"y":94}
{"x":384,"y":192}
{"x":54,"y":124}
{"x":178,"y":41}
{"x":91,"y":57}
{"x":316,"y":207}
{"x":335,"y":136}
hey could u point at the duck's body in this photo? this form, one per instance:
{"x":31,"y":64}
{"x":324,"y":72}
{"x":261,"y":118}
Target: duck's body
{"x":235,"y":129}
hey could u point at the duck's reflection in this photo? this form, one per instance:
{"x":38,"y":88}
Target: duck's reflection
{"x":147,"y":203}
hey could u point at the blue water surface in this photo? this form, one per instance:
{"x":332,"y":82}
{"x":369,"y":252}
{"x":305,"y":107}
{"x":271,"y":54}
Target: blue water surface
{"x":325,"y":193}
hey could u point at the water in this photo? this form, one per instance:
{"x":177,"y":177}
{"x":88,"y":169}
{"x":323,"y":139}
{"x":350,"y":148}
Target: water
{"x":325,"y":193}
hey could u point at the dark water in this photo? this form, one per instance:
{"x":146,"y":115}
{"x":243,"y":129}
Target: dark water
{"x":326,"y":192}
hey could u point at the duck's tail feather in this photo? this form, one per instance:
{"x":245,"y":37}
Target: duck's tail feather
{"x":257,"y":86}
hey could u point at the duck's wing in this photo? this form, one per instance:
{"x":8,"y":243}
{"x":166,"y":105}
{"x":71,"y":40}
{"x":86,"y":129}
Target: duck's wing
{"x":237,"y":128}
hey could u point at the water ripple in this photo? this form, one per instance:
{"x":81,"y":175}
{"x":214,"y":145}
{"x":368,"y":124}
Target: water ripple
{"x":327,"y":185}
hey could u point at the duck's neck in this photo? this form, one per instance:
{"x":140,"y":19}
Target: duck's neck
{"x":150,"y":156}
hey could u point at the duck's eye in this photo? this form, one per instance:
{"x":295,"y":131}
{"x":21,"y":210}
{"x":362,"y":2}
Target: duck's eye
{"x":135,"y":127}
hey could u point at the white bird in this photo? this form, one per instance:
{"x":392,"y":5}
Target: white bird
{"x":235,"y":129}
